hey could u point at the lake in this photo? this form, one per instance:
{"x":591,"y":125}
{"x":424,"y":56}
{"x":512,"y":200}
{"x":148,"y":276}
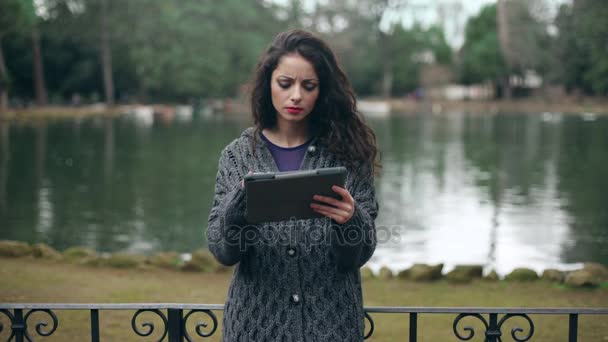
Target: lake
{"x":502,"y":190}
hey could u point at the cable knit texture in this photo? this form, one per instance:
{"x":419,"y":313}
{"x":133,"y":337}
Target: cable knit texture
{"x":295,"y":280}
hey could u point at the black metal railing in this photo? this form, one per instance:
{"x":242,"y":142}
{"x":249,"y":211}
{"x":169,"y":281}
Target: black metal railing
{"x":175,"y":318}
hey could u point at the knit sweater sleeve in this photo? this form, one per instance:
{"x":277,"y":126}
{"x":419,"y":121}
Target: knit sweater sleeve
{"x":356,"y":239}
{"x":227,"y":216}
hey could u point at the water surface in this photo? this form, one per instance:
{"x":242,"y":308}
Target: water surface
{"x":501,"y":190}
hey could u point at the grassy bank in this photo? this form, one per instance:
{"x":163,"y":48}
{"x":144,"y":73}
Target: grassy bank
{"x":398,"y":106}
{"x":29,"y":280}
{"x":61,"y":112}
{"x":530,"y":105}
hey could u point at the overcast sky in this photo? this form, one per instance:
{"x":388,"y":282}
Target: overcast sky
{"x":453,"y":13}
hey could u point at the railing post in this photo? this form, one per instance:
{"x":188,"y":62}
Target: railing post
{"x":573,"y":328}
{"x":176,"y":333}
{"x":94,"y":325}
{"x":413,"y":327}
{"x":19,"y":325}
{"x":493,"y":332}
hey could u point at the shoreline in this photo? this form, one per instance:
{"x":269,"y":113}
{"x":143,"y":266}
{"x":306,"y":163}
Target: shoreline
{"x":28,"y":280}
{"x":588,"y":275}
{"x":525,"y":106}
{"x":394,"y":106}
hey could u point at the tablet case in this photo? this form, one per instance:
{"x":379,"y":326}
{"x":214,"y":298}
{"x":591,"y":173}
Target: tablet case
{"x":278,"y":196}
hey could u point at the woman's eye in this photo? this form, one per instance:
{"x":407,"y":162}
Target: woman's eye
{"x":284,"y":85}
{"x":310,"y":87}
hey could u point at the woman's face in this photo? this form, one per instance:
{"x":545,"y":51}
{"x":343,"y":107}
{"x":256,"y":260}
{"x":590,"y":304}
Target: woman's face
{"x":294,"y":87}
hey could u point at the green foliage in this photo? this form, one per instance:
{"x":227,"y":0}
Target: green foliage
{"x":402,"y":49}
{"x":15,"y":16}
{"x":179,"y":50}
{"x":581,"y":48}
{"x":187,"y":51}
{"x":481,"y":59}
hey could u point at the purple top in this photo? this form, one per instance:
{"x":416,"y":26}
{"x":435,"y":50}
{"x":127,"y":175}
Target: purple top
{"x":287,"y":158}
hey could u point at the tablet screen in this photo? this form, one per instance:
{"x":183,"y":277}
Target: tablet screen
{"x":282,"y":196}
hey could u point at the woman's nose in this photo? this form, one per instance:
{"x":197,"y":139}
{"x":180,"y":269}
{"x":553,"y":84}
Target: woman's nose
{"x":296,"y":95}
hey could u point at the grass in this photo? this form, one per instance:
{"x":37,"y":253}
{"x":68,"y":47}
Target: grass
{"x":26,"y":280}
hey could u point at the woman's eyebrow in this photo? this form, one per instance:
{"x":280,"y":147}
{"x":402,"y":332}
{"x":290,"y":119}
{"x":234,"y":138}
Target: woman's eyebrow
{"x":292,"y":78}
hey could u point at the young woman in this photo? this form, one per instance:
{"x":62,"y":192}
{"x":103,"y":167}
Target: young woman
{"x":297,"y":280}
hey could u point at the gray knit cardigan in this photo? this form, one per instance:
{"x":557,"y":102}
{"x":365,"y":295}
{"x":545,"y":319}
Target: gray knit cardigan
{"x":295,"y":280}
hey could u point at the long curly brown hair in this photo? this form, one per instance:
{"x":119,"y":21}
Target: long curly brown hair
{"x":334,"y":119}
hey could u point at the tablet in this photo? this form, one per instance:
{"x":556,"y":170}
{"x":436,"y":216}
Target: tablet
{"x":278,"y":196}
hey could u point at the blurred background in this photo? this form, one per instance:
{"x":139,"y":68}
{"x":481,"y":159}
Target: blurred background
{"x":490,"y":117}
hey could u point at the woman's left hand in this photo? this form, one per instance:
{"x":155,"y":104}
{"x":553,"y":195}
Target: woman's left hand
{"x":339,"y":210}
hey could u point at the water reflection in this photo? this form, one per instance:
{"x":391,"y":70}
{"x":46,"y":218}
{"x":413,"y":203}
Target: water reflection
{"x":498,"y":190}
{"x":481,"y":189}
{"x":4,"y":164}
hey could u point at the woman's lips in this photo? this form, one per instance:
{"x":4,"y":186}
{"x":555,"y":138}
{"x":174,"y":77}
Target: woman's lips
{"x":294,"y":110}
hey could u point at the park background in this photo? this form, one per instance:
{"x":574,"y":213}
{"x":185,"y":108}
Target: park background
{"x":490,"y":117}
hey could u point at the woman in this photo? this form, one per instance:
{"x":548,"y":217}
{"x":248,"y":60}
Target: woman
{"x":297,"y":280}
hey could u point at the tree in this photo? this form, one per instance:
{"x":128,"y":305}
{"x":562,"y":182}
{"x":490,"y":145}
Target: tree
{"x":505,"y":39}
{"x":372,"y":12}
{"x":502,"y":20}
{"x":178,"y":52}
{"x":38,"y":68}
{"x":412,"y":48}
{"x":105,"y":51}
{"x":378,"y":61}
{"x":480,"y":57}
{"x":13,"y":19}
{"x":37,"y":60}
{"x":581,"y":47}
{"x":522,"y":36}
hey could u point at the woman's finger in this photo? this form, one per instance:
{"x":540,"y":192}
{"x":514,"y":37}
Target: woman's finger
{"x":344,"y":193}
{"x":326,"y":213}
{"x":339,"y":219}
{"x":332,"y":201}
{"x":333,"y":211}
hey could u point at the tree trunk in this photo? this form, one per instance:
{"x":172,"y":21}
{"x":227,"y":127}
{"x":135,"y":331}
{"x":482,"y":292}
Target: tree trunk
{"x":387,"y":67}
{"x":4,"y":161}
{"x":507,"y":91}
{"x":39,"y":83}
{"x":106,"y":56}
{"x":387,"y":80}
{"x":505,"y":45}
{"x":3,"y":83}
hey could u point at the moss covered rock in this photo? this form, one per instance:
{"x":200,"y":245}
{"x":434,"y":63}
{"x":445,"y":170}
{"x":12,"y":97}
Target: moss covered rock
{"x":404,"y":274}
{"x":79,"y":255}
{"x":422,"y":272}
{"x":492,"y":276}
{"x":46,"y":252}
{"x":203,"y":261}
{"x":170,"y":260}
{"x":581,"y":278}
{"x":14,"y":249}
{"x":554,"y":276}
{"x":591,"y":275}
{"x":124,"y":260}
{"x":464,"y":273}
{"x":93,"y":261}
{"x":522,"y":274}
{"x":366,"y":273}
{"x":598,"y":270}
{"x":385,"y":273}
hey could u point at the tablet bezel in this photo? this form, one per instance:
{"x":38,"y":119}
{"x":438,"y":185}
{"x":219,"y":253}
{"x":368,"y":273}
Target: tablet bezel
{"x":280,"y":196}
